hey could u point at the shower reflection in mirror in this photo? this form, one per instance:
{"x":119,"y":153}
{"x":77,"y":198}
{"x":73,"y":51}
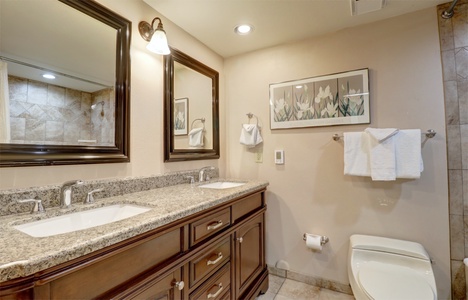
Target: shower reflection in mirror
{"x":67,"y":111}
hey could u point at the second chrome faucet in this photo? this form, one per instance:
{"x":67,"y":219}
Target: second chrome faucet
{"x":66,"y":193}
{"x":201,"y":174}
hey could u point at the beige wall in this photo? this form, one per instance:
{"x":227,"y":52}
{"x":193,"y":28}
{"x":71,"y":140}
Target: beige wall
{"x":309,"y":193}
{"x":146,"y":137}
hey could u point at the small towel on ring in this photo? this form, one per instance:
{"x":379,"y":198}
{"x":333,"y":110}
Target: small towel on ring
{"x":196,"y":137}
{"x":250,"y":135}
{"x":382,"y":153}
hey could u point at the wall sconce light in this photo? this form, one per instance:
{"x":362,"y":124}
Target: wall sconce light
{"x":156,"y":37}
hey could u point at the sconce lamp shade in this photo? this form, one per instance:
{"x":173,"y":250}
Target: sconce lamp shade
{"x":158,"y":43}
{"x":156,"y":37}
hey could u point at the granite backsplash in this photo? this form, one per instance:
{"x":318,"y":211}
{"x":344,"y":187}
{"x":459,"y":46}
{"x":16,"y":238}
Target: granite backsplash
{"x":111,"y":187}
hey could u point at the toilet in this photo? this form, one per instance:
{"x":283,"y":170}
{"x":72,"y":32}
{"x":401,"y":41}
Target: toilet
{"x":387,"y":269}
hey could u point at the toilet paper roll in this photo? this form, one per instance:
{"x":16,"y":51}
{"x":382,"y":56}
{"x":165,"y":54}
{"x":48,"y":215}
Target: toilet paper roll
{"x":314,"y":242}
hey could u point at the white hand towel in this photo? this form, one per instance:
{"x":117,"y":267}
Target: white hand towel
{"x":196,"y":137}
{"x":382,"y":153}
{"x":409,"y":163}
{"x":250,"y":135}
{"x":356,"y":154}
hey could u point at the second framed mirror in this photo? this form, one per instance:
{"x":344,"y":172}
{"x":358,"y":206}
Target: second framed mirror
{"x":191,"y":110}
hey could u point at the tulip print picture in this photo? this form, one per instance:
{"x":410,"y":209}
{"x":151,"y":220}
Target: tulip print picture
{"x":181,"y":116}
{"x":337,"y":99}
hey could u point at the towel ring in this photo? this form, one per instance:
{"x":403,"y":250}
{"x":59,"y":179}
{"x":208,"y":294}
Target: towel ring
{"x":201,"y":120}
{"x":250,"y":116}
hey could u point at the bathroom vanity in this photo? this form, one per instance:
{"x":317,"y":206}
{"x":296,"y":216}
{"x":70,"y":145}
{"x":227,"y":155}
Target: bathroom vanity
{"x":194,"y":243}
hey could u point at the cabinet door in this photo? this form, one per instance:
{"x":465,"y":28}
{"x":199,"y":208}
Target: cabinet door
{"x":250,"y":253}
{"x":168,"y":288}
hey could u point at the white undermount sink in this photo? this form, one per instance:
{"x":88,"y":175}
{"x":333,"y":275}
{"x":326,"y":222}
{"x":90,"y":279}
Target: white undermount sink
{"x":221,"y":185}
{"x":81,"y":220}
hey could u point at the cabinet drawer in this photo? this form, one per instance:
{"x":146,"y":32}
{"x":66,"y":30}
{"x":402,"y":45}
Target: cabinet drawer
{"x":164,"y":288}
{"x":245,"y":206}
{"x":209,"y":225}
{"x":216,"y":287}
{"x":104,"y":275}
{"x":209,"y":261}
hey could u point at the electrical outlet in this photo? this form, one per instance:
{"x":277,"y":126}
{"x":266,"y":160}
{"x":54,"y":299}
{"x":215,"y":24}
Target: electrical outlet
{"x":258,"y":157}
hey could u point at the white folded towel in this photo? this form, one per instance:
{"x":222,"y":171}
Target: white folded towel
{"x":196,"y":137}
{"x":409,"y":163}
{"x":382,"y":153}
{"x":407,"y":145}
{"x":250,"y":135}
{"x":356,"y":154}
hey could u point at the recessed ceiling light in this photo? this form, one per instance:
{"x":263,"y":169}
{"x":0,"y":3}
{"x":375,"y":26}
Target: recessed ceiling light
{"x":243,"y":29}
{"x":48,"y":76}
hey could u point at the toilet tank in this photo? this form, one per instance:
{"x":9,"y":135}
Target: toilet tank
{"x":388,"y":245}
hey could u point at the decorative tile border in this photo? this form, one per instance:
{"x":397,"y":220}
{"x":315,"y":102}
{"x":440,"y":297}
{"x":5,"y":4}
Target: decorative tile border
{"x":112,"y":187}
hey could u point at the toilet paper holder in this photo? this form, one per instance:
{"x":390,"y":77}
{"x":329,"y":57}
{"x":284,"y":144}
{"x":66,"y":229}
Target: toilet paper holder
{"x":323,"y":239}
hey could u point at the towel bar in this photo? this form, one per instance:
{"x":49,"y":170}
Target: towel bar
{"x":430,"y":133}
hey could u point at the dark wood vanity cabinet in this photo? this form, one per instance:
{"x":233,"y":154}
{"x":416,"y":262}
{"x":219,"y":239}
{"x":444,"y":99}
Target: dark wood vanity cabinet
{"x":215,"y":254}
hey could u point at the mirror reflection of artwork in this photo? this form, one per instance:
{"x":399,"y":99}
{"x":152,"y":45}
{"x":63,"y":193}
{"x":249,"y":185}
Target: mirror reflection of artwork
{"x":180,"y":116}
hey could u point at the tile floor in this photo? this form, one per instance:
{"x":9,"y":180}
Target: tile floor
{"x":287,"y":289}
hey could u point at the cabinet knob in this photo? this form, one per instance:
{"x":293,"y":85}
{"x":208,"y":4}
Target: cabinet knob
{"x":240,"y":240}
{"x":179,"y":285}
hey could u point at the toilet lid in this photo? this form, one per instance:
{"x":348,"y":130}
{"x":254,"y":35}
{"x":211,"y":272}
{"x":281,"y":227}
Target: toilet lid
{"x":382,"y":281}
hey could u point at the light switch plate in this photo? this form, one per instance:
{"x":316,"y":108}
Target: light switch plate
{"x":259,"y":157}
{"x":279,"y":157}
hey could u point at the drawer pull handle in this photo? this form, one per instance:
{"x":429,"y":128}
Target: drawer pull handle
{"x":215,"y":226}
{"x":179,"y":285}
{"x":220,"y":285}
{"x":240,"y":240}
{"x":214,"y":262}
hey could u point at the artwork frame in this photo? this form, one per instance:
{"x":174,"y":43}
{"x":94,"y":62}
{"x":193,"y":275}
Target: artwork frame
{"x":181,"y":116}
{"x":337,"y":99}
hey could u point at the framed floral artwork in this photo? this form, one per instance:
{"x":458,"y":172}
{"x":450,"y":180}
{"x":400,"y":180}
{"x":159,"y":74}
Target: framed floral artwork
{"x":181,"y":116}
{"x":336,"y":99}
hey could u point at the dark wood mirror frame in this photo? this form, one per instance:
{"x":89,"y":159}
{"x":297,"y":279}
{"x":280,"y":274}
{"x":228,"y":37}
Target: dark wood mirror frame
{"x":18,"y":155}
{"x":170,"y":153}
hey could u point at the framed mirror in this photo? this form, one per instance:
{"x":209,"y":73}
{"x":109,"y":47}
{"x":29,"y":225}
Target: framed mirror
{"x":191,"y":109}
{"x":81,"y":117}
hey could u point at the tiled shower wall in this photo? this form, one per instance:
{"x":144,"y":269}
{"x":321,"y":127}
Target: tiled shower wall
{"x":454,"y":52}
{"x":42,"y":113}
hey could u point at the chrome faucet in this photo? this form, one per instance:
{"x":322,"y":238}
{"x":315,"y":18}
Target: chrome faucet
{"x":201,"y":173}
{"x":66,"y":193}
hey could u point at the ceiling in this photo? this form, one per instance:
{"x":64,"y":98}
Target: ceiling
{"x":275,"y":21}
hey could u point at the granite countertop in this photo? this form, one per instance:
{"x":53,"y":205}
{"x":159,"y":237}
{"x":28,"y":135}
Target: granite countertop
{"x":22,"y":255}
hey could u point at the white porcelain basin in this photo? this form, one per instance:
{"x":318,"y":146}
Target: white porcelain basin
{"x":81,"y":220}
{"x":221,"y":185}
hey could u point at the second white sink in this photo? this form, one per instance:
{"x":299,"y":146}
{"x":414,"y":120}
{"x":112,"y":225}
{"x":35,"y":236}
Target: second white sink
{"x":81,"y":220}
{"x":221,"y":185}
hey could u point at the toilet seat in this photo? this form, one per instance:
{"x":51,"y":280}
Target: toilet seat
{"x":379,"y":282}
